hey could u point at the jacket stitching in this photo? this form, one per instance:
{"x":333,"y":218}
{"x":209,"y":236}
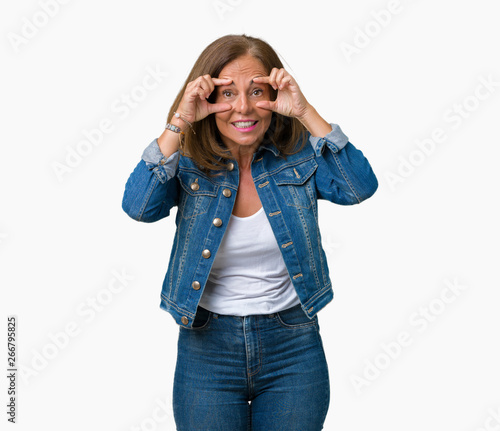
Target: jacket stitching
{"x":148,"y":196}
{"x":339,"y":165}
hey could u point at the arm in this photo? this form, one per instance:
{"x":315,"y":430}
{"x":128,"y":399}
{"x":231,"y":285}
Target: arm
{"x":344,"y":176}
{"x":152,"y":189}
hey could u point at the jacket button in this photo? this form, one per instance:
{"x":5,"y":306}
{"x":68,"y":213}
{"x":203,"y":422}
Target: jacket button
{"x":196,"y":285}
{"x":217,"y":222}
{"x":230,"y":166}
{"x":184,"y":320}
{"x":206,"y":253}
{"x":195,"y":187}
{"x":227,"y":193}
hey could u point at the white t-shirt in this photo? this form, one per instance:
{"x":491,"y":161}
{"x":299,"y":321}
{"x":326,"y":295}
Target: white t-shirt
{"x":249,"y":275}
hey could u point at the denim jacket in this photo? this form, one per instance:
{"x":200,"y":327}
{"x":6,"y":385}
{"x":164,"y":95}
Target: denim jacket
{"x":328,"y":168}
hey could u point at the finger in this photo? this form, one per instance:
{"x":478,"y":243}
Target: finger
{"x":285,"y":82}
{"x":284,"y":79}
{"x":272,"y":78}
{"x":270,"y":106}
{"x":207,"y":85}
{"x":201,"y":93}
{"x":222,"y":81}
{"x":261,"y":79}
{"x":218,"y":107}
{"x":279,"y":77}
{"x":194,"y":89}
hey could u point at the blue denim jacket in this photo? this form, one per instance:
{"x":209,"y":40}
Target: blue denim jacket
{"x":326,"y":168}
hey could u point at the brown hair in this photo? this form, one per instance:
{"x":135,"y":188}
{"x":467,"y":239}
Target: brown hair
{"x":205,"y":147}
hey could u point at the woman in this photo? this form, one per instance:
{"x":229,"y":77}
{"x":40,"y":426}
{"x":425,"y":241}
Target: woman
{"x":245,"y":157}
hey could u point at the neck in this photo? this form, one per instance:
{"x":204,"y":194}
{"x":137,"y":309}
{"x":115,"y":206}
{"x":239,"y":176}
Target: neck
{"x":244,"y":154}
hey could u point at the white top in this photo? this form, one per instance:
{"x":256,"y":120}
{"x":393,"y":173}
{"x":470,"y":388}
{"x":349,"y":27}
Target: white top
{"x":249,"y":275}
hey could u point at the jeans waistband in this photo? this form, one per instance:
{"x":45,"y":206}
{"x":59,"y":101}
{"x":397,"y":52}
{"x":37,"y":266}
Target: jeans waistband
{"x":289,"y":312}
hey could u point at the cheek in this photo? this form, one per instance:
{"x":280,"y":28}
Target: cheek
{"x":222,"y":118}
{"x":265,"y":117}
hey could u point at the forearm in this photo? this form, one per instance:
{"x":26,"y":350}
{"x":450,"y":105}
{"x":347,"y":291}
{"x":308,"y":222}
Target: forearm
{"x":168,"y":141}
{"x":315,"y":123}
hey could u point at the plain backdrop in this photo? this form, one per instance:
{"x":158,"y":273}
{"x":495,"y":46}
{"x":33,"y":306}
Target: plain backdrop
{"x":412,"y":334}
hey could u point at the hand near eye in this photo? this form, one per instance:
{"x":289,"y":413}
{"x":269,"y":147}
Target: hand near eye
{"x":194,"y":105}
{"x":290,"y":100}
{"x":292,"y":103}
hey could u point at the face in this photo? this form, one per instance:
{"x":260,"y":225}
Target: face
{"x":244,"y":125}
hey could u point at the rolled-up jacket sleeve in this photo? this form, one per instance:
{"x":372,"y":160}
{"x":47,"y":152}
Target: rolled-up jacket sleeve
{"x":151,"y":189}
{"x":344,"y":175}
{"x":162,"y":166}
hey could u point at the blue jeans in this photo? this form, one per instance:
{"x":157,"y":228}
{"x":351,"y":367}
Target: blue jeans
{"x":259,"y":372}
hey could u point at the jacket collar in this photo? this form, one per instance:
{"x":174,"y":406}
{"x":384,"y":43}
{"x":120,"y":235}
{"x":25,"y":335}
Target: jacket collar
{"x":270,"y":147}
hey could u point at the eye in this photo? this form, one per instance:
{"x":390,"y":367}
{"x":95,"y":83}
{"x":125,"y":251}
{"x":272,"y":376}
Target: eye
{"x":257,"y":92}
{"x":227,"y":93}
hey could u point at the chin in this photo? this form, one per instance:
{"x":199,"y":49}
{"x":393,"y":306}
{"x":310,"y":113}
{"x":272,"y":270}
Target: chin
{"x":247,"y":138}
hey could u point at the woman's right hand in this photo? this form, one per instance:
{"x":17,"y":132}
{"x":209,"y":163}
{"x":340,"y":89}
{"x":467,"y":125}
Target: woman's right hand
{"x":194,"y":105}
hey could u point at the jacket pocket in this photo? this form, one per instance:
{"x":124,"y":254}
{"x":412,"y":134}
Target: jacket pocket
{"x":197,"y":193}
{"x":293,"y":183}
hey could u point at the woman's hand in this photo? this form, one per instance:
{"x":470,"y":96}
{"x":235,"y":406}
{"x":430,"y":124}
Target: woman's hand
{"x":292,"y":103}
{"x":194,"y":105}
{"x":290,"y":100}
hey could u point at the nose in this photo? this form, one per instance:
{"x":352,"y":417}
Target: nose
{"x":242,"y":104}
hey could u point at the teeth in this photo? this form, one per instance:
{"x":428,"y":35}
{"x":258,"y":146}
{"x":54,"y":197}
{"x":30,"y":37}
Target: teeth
{"x":244,"y":124}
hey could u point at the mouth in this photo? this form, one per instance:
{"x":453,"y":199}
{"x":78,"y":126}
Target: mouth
{"x":244,"y":126}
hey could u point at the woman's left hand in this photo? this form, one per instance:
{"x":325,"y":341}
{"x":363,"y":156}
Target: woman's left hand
{"x":290,"y":100}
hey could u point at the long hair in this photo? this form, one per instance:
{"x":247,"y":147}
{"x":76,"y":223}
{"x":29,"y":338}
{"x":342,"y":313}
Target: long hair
{"x":205,"y":146}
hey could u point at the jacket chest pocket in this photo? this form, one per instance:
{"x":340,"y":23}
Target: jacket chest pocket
{"x":295,"y":185}
{"x":198,"y":193}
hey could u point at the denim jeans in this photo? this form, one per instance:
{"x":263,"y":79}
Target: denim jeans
{"x":258,"y":372}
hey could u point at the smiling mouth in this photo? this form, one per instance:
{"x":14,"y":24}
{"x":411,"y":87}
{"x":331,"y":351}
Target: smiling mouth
{"x":244,"y":124}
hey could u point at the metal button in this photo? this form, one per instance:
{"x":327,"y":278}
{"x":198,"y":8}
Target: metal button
{"x":217,"y":222}
{"x":184,"y":320}
{"x":227,"y":193}
{"x":195,"y":187}
{"x":196,"y":285}
{"x":206,"y":253}
{"x":230,"y":166}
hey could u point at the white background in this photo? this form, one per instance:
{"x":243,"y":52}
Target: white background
{"x":64,"y":238}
